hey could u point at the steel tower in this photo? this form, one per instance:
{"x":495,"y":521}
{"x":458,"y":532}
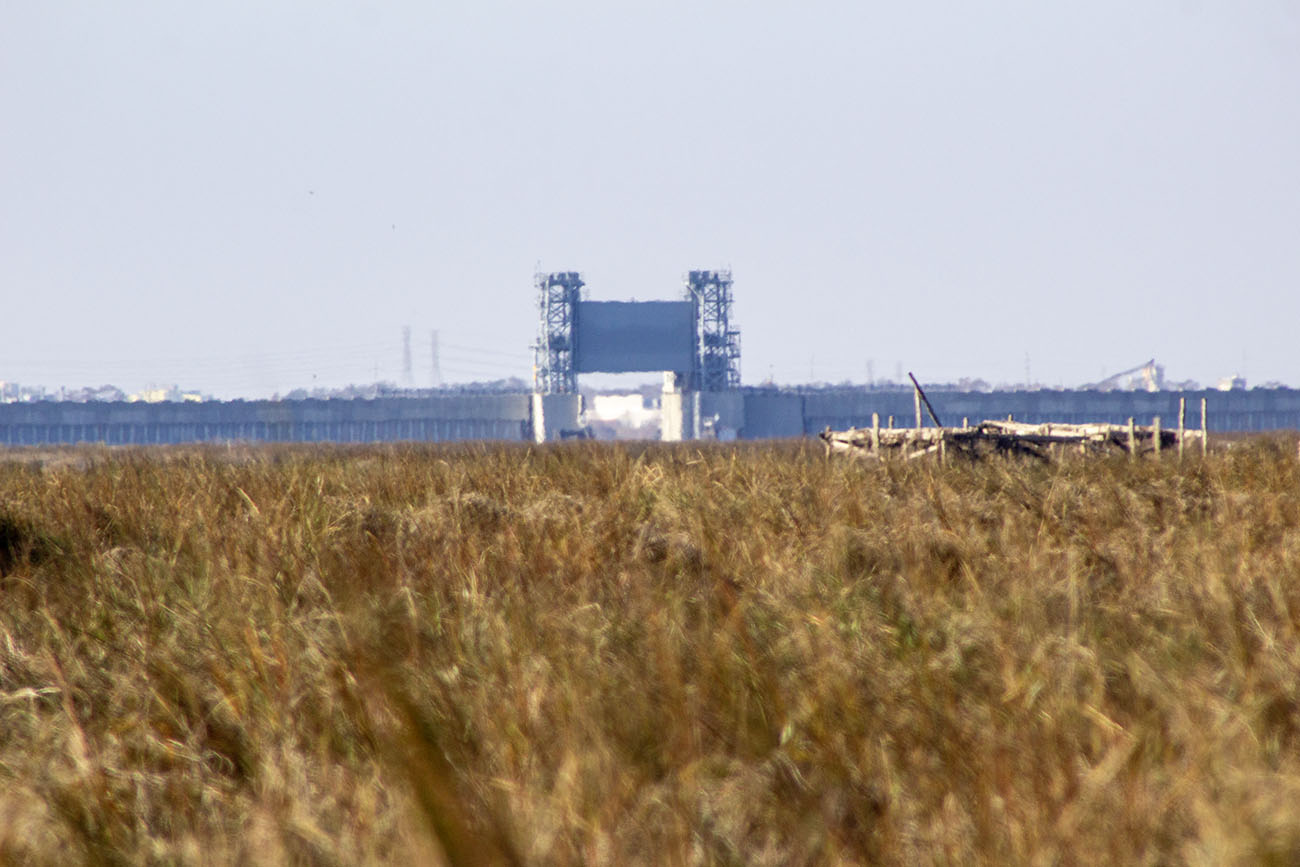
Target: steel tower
{"x":717,"y":341}
{"x":558,"y":294}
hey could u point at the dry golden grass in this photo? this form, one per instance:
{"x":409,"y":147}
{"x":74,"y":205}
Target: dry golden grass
{"x":598,"y":654}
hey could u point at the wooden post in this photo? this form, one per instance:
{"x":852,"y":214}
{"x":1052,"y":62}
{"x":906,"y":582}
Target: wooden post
{"x":920,"y":392}
{"x":943,"y":447}
{"x":1009,"y":418}
{"x":916,"y":400}
{"x":875,"y":434}
{"x":965,"y":422}
{"x":1205,"y":440}
{"x":1182,"y":425}
{"x":1155,"y":435}
{"x":1132,"y":439}
{"x":891,"y":422}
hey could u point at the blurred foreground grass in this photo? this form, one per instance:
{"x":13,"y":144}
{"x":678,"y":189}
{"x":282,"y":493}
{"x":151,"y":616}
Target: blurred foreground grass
{"x":595,"y":654}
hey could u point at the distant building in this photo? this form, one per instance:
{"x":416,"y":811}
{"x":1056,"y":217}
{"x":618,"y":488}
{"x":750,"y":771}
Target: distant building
{"x":1232,"y":383}
{"x":171,"y":394}
{"x":90,"y":394}
{"x":632,"y":410}
{"x":622,"y":416}
{"x":13,"y":392}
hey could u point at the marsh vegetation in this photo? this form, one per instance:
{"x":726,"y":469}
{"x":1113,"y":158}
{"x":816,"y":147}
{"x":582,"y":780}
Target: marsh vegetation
{"x":617,"y":654}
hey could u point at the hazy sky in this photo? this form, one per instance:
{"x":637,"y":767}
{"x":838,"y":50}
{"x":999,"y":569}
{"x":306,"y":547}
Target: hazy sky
{"x":241,"y":196}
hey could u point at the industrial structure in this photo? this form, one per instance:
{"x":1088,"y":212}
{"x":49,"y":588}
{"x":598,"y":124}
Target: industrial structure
{"x":559,"y":294}
{"x":1145,"y":377}
{"x":717,"y":340}
{"x":693,"y":341}
{"x":694,"y":338}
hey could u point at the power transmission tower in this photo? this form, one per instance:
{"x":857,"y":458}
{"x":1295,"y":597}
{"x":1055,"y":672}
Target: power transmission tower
{"x":437,"y":366}
{"x":408,"y":378}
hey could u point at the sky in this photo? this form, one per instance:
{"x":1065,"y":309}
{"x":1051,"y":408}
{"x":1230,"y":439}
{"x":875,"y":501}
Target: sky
{"x":248,"y":197}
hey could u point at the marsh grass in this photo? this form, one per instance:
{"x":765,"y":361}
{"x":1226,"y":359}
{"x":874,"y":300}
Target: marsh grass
{"x":601,"y":654}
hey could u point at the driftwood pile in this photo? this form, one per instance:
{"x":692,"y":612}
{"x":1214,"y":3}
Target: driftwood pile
{"x":1005,"y":437}
{"x":1042,"y":441}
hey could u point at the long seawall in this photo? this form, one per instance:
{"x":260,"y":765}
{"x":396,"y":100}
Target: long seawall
{"x":424,"y":419}
{"x":784,"y":413}
{"x":752,"y":413}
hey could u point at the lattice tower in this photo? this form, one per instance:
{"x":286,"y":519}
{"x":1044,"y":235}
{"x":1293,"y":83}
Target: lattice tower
{"x":717,"y":341}
{"x":558,"y":294}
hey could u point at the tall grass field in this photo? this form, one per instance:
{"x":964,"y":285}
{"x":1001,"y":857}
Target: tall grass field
{"x":602,"y":654}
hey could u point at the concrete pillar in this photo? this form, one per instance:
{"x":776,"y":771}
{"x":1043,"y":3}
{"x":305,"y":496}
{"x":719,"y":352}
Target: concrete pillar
{"x":677,"y":416}
{"x":553,"y":414}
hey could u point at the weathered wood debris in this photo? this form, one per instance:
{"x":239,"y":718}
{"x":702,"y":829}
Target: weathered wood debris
{"x":1003,"y":437}
{"x":1009,"y":437}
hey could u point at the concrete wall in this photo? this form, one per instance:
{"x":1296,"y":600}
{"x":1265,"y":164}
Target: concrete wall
{"x":687,"y":415}
{"x":721,"y":414}
{"x":436,"y":419}
{"x":773,"y":415}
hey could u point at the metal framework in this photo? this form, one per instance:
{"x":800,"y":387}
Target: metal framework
{"x":558,"y":294}
{"x":717,"y":342}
